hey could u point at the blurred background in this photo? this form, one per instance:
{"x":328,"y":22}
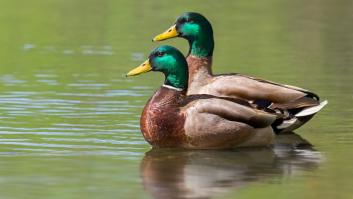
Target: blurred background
{"x":69,"y":119}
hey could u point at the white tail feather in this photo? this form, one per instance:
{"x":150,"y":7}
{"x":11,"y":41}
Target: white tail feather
{"x":311,"y":110}
{"x":287,"y":123}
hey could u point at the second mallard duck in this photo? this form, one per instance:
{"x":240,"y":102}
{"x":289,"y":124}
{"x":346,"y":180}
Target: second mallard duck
{"x":298,"y":103}
{"x":172,"y":119}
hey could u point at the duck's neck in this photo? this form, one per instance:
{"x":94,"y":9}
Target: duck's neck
{"x":168,"y":96}
{"x":200,"y":55}
{"x":176,"y":74}
{"x":199,"y":68}
{"x":202,"y":45}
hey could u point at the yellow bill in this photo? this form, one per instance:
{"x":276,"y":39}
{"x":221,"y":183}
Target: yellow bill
{"x":170,"y":33}
{"x":143,"y":68}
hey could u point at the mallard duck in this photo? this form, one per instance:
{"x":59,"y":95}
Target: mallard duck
{"x":172,"y":119}
{"x":299,"y":104}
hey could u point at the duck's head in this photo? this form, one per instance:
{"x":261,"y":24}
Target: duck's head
{"x":195,"y":28}
{"x":168,"y":60}
{"x":189,"y":25}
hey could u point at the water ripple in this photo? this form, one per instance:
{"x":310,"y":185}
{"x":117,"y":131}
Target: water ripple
{"x":71,"y":120}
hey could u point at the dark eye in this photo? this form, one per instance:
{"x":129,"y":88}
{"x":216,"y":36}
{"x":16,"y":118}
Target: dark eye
{"x":160,"y":54}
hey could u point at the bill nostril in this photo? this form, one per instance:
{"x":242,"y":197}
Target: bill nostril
{"x":169,"y":30}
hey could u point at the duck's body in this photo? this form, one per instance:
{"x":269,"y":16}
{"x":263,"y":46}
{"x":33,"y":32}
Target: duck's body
{"x":265,"y":94}
{"x":173,"y":119}
{"x":287,"y":99}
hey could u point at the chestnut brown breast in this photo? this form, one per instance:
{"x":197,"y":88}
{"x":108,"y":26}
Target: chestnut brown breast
{"x":161,"y":122}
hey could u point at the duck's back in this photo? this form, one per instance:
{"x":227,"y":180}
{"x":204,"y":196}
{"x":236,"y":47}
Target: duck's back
{"x":247,"y":88}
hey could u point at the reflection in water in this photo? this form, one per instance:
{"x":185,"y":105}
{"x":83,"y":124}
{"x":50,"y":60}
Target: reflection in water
{"x":169,"y":173}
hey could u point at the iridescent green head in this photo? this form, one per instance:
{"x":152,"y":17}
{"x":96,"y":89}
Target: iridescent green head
{"x":168,"y":60}
{"x":196,"y":29}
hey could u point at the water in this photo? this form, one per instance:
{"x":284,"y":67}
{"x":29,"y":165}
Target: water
{"x":69,"y":119}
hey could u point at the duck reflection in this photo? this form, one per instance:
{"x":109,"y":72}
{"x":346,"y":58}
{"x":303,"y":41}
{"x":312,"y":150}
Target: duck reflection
{"x":172,"y":173}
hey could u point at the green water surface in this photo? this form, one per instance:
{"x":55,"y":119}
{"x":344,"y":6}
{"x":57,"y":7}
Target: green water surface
{"x":69,"y":119}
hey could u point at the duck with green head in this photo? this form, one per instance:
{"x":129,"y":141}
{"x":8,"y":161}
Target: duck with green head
{"x":299,"y":104}
{"x":172,"y":119}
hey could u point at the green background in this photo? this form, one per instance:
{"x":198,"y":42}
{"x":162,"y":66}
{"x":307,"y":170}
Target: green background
{"x":69,"y":119}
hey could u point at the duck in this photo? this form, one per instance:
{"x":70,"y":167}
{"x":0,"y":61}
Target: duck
{"x":173,"y":119}
{"x":299,"y":104}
